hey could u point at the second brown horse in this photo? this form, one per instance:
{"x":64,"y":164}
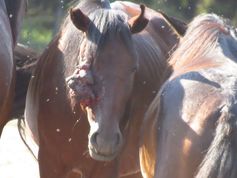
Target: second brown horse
{"x":191,"y":126}
{"x":98,"y":77}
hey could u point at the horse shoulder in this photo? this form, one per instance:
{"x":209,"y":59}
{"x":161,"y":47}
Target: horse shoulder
{"x":185,"y":113}
{"x":186,"y":93}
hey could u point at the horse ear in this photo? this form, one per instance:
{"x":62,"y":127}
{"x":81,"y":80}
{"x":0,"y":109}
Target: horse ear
{"x":139,"y":22}
{"x":79,"y":19}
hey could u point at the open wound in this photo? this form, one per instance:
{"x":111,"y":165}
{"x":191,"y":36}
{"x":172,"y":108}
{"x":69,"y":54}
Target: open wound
{"x":80,"y":83}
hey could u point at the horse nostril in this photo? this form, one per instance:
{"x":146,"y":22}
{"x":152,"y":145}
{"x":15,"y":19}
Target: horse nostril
{"x":105,"y":143}
{"x":118,"y":139}
{"x":93,"y":139}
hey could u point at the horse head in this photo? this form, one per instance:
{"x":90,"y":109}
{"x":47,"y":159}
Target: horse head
{"x":104,"y":79}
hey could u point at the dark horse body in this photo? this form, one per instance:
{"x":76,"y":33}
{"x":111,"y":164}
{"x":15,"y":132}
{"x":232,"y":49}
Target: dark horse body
{"x":11,"y":14}
{"x":116,"y":73}
{"x":195,"y":113}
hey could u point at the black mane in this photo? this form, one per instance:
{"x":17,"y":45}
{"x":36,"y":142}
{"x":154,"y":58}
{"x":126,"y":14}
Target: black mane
{"x":107,"y":24}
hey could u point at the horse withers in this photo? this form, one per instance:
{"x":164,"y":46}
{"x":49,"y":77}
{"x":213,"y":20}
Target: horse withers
{"x":97,"y":77}
{"x":191,"y":124}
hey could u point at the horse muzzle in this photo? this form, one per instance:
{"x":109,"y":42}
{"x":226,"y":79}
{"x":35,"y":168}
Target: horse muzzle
{"x":104,"y":147}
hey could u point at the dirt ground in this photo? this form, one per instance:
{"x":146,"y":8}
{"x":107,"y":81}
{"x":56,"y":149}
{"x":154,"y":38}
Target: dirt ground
{"x":15,"y":159}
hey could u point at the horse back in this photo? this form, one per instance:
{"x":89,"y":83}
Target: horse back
{"x":186,"y":120}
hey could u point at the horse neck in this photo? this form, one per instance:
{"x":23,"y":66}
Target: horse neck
{"x":152,"y":52}
{"x":165,"y":34}
{"x":165,"y":37}
{"x":153,"y":48}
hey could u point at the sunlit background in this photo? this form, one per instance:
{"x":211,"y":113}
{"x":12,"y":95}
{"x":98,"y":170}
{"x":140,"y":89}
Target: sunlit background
{"x":44,"y":16}
{"x":42,"y":22}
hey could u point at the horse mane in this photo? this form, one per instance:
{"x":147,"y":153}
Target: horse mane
{"x":14,"y":8}
{"x":197,"y":46}
{"x":179,"y":26}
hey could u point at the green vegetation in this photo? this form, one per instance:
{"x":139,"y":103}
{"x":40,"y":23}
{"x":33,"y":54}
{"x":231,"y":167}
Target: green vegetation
{"x":37,"y":31}
{"x":44,"y":16}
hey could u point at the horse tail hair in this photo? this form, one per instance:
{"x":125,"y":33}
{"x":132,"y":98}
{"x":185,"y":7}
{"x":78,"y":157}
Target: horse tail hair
{"x":221,"y":158}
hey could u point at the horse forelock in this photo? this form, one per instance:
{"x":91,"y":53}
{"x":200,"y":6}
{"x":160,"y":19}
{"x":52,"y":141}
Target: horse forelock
{"x":106,"y":25}
{"x":198,"y":44}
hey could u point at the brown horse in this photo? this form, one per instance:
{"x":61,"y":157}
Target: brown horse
{"x":11,"y":14}
{"x":191,"y":126}
{"x":100,"y":69}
